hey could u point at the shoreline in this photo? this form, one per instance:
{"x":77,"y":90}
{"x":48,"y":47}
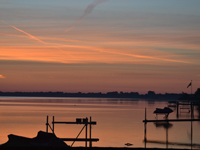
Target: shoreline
{"x":84,"y":148}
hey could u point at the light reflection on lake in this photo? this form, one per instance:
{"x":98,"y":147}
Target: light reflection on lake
{"x":119,"y":121}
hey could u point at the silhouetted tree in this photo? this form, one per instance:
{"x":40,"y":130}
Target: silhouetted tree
{"x":197,"y":94}
{"x":151,"y":93}
{"x":184,"y":96}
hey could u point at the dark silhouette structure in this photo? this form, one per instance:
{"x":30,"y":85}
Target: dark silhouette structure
{"x":42,"y":141}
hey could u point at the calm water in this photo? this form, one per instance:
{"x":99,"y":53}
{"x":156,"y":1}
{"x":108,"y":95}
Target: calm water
{"x":119,"y":121}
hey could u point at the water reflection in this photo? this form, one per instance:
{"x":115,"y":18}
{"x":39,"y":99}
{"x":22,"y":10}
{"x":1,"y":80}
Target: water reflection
{"x":118,"y":120}
{"x":165,"y":125}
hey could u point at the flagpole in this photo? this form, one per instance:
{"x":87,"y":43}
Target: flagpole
{"x":191,"y":87}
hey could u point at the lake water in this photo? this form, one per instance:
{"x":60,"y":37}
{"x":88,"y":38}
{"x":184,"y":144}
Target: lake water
{"x":119,"y":121}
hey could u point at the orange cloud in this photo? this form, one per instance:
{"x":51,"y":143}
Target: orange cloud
{"x":2,"y":77}
{"x":33,"y":37}
{"x":76,"y":56}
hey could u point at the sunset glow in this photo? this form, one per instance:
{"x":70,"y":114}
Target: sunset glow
{"x":99,"y":45}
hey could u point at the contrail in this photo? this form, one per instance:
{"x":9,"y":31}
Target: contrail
{"x":31,"y":36}
{"x":127,"y":54}
{"x":87,"y":11}
{"x":35,"y":38}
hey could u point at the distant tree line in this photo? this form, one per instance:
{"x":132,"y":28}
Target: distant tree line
{"x":195,"y":96}
{"x":115,"y":94}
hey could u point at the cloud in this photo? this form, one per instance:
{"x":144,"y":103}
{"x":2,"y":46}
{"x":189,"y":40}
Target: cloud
{"x":87,"y":11}
{"x":92,"y":48}
{"x":2,"y":77}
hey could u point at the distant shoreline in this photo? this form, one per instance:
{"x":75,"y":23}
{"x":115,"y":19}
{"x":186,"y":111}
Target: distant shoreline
{"x":151,"y":95}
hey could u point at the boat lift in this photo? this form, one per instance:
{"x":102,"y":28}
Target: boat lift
{"x":167,"y":121}
{"x":79,"y":121}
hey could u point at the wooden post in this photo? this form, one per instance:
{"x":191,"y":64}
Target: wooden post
{"x":86,"y":124}
{"x":47,"y":124}
{"x":53,"y":125}
{"x":90,"y":131}
{"x":145,"y":132}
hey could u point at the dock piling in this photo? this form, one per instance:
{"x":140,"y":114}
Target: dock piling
{"x":86,"y":125}
{"x":90,"y":132}
{"x":145,"y":130}
{"x":177,"y":109}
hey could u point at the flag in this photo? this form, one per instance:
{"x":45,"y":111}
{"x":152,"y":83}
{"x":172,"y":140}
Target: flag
{"x":189,"y":85}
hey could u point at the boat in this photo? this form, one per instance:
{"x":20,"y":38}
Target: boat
{"x":166,"y":111}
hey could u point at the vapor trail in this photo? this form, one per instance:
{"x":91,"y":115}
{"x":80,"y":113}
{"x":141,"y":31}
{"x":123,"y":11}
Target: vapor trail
{"x":35,"y":38}
{"x":127,"y":54}
{"x":31,"y":36}
{"x":87,"y":11}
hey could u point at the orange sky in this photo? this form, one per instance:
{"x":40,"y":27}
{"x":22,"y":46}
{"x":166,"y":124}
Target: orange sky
{"x":112,"y":46}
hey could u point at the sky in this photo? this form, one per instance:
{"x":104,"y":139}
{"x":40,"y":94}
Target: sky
{"x":99,"y":45}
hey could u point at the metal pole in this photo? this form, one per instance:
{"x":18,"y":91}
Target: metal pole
{"x":47,"y":124}
{"x":192,"y":112}
{"x":90,"y":131}
{"x":191,"y":88}
{"x":78,"y":135}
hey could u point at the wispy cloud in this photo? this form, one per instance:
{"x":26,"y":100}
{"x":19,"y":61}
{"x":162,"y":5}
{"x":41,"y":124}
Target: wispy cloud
{"x":93,"y":48}
{"x":2,"y":77}
{"x":87,"y":11}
